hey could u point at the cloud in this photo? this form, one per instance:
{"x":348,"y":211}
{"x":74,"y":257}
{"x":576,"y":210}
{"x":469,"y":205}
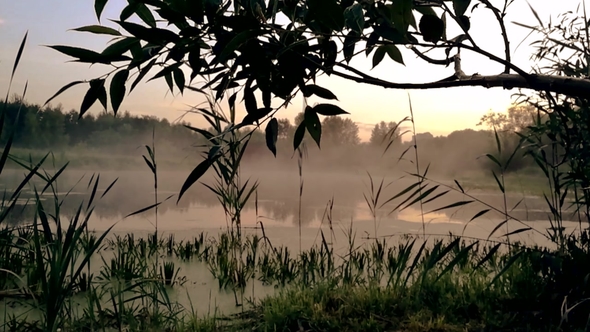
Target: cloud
{"x":2,"y":22}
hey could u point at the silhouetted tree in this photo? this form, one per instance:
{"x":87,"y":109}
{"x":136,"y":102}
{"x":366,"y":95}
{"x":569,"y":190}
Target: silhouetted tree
{"x":383,"y":132}
{"x":340,"y":131}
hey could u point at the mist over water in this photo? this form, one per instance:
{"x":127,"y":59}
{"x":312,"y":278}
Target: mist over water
{"x":332,"y":201}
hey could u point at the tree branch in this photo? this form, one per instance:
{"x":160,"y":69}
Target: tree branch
{"x":574,"y":87}
{"x":500,"y":19}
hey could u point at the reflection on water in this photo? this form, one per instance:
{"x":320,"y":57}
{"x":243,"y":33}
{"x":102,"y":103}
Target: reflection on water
{"x":277,"y":205}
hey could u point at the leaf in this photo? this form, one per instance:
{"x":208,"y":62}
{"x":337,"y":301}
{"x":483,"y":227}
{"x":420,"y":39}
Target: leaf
{"x":313,"y":124}
{"x":155,"y":36}
{"x":508,"y":264}
{"x":165,"y":71}
{"x":394,"y":53}
{"x":354,"y":18}
{"x":432,"y":28}
{"x":82,"y":54}
{"x":250,"y":100}
{"x":236,"y":42}
{"x":99,"y":7}
{"x":272,"y":134}
{"x":142,"y":74}
{"x":120,"y":47}
{"x":63,"y":88}
{"x":147,"y":208}
{"x":520,"y":230}
{"x":464,"y":22}
{"x":496,"y":228}
{"x":194,"y":60}
{"x":488,"y":256}
{"x":327,"y":12}
{"x":299,"y":133}
{"x":460,"y":203}
{"x":146,"y":15}
{"x":109,"y":188}
{"x":258,"y":114}
{"x":379,"y":55}
{"x":460,"y":6}
{"x":349,"y":45}
{"x":494,"y":159}
{"x":319,"y":91}
{"x":536,"y":15}
{"x":328,"y":110}
{"x":117,"y":89}
{"x":179,"y":79}
{"x":460,"y":256}
{"x":479,"y":214}
{"x":498,"y":182}
{"x":458,"y":185}
{"x":169,"y":80}
{"x":195,"y":175}
{"x":425,"y":10}
{"x":98,"y":29}
{"x":91,"y":95}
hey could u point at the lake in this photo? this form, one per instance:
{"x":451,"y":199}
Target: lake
{"x":332,"y":203}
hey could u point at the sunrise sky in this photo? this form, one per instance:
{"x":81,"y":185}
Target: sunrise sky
{"x":437,"y":111}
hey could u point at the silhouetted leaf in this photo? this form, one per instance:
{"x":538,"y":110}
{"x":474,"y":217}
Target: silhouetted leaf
{"x":456,"y":204}
{"x":120,"y":47}
{"x":460,"y":6}
{"x":394,"y":53}
{"x":354,"y":18}
{"x":236,"y":42}
{"x":99,"y":30}
{"x":313,"y":124}
{"x":78,"y":53}
{"x":432,"y":28}
{"x":458,"y":185}
{"x":520,"y":230}
{"x":147,"y":208}
{"x":379,"y":55}
{"x":250,"y":100}
{"x":299,"y":133}
{"x":91,"y":95}
{"x":272,"y":134}
{"x":117,"y":89}
{"x":194,"y":60}
{"x":500,"y":185}
{"x":328,"y":110}
{"x":109,"y":187}
{"x":459,"y":257}
{"x":497,"y":228}
{"x":349,"y":45}
{"x":203,"y":132}
{"x":488,"y":256}
{"x":195,"y":175}
{"x":155,"y":36}
{"x":328,"y":12}
{"x":64,"y":88}
{"x":179,"y":79}
{"x":508,"y":264}
{"x":142,"y":74}
{"x":146,"y":15}
{"x":169,"y":80}
{"x":464,"y":22}
{"x":99,"y":7}
{"x":319,"y":91}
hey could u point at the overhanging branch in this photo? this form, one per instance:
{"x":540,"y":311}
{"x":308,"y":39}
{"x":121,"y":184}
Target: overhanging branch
{"x":574,"y":87}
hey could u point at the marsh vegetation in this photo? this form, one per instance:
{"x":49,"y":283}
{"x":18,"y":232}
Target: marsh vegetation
{"x":295,"y":246}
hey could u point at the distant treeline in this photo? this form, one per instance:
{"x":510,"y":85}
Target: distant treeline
{"x":51,"y":128}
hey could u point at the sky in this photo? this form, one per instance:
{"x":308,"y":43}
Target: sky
{"x":439,"y":111}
